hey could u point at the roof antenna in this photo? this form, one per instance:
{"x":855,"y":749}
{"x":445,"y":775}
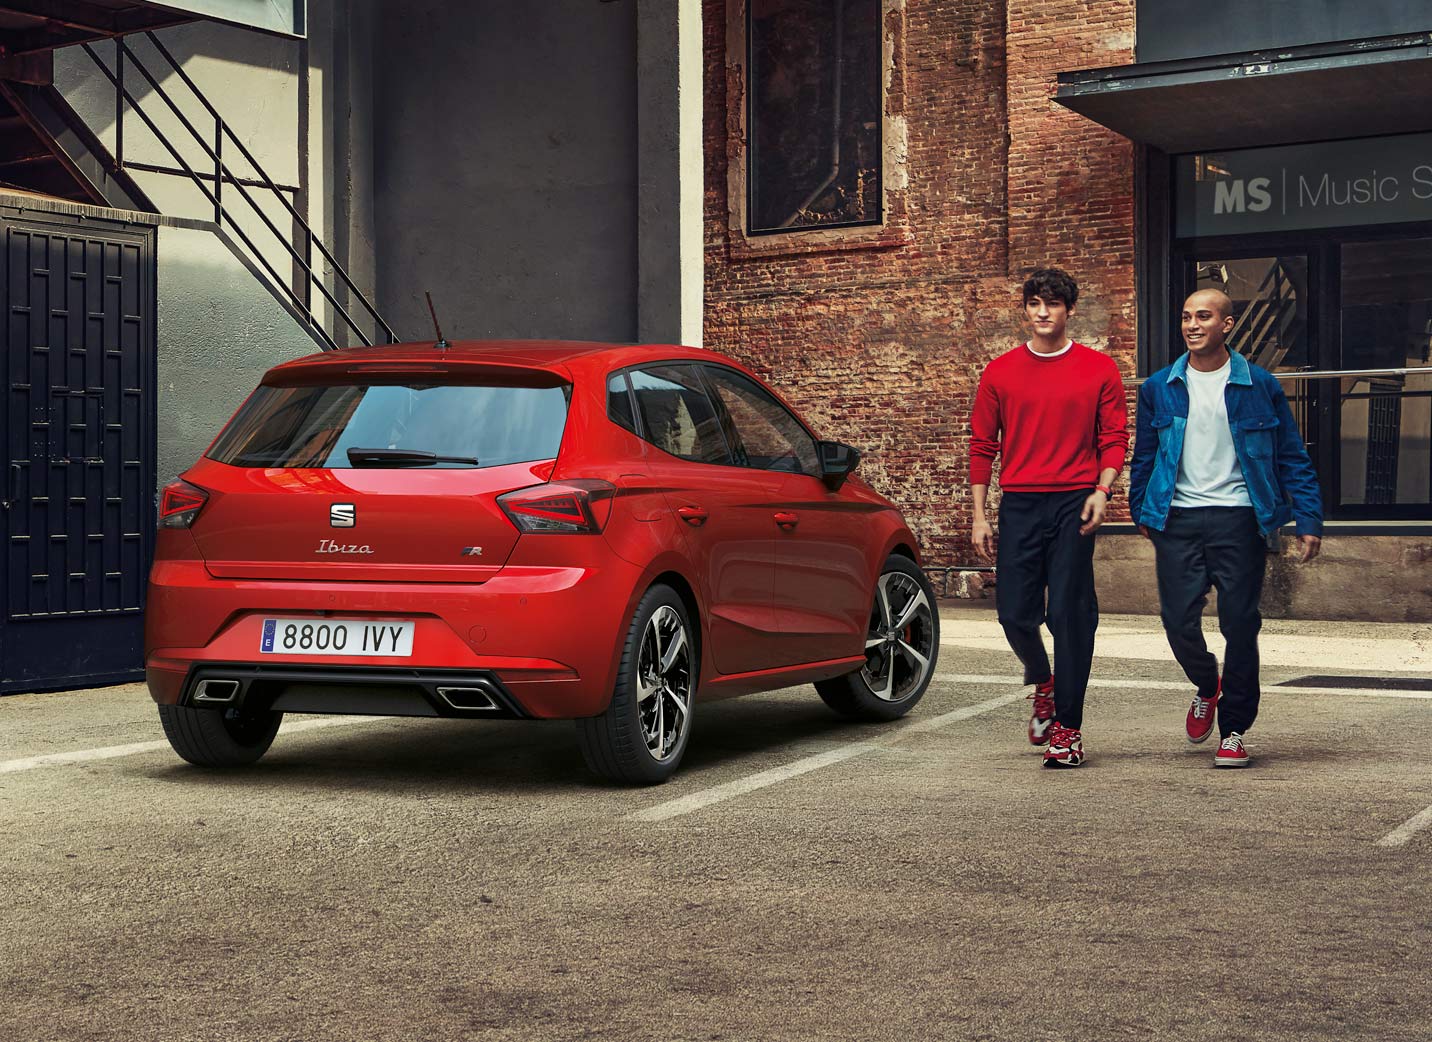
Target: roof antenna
{"x":442,"y":344}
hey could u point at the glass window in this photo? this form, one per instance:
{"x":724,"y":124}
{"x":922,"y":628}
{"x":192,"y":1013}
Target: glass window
{"x":315,"y":426}
{"x":619,"y":402}
{"x":770,"y":436}
{"x":1270,"y":307}
{"x":676,"y":415}
{"x":815,"y":114}
{"x":1385,"y":422}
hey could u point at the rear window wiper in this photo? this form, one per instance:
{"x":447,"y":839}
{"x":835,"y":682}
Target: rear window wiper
{"x":403,"y":458}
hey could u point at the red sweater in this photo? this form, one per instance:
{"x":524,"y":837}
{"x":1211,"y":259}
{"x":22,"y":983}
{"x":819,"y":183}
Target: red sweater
{"x":1058,"y":422}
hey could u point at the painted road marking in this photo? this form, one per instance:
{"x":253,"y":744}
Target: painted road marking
{"x":1181,"y":685}
{"x":111,"y":752}
{"x":776,"y":775}
{"x":1399,"y":836}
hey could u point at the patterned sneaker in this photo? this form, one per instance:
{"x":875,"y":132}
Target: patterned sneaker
{"x":1231,"y":752}
{"x":1043,"y":715}
{"x":1198,"y":725}
{"x":1066,"y":747}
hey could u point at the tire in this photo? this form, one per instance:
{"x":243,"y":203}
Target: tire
{"x":634,"y":742}
{"x":218,"y":737}
{"x":899,"y":662}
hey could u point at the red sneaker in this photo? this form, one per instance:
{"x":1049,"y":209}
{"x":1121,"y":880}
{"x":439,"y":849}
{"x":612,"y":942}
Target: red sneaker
{"x":1043,"y":715}
{"x":1199,"y":722}
{"x":1066,"y":747}
{"x":1231,"y":752}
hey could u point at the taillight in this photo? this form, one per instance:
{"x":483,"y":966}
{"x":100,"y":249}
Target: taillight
{"x":580,"y":506}
{"x":180,"y":503}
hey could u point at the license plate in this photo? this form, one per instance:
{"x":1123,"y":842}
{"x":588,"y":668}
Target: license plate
{"x":336,"y":637}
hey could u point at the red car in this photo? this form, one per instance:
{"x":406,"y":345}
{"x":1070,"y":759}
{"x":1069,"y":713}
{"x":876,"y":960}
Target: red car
{"x":525,"y":529}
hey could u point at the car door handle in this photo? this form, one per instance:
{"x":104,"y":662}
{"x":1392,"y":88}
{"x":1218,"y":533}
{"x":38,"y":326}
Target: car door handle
{"x":786,"y":519}
{"x":694,"y":516}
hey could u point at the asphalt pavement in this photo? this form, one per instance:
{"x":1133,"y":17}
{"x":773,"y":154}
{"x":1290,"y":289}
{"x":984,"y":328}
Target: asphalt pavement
{"x":800,"y":878}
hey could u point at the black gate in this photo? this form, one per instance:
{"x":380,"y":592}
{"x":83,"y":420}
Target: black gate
{"x":78,"y":421}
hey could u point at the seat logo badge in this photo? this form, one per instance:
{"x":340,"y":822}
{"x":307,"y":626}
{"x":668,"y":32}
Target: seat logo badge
{"x":328,"y":546}
{"x":472,"y":551}
{"x":342,"y":515}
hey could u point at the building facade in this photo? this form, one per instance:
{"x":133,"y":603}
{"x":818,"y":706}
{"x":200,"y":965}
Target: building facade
{"x":1120,"y":141}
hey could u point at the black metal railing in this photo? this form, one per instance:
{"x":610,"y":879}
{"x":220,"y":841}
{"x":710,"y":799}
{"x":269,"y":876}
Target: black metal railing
{"x":370,"y":327}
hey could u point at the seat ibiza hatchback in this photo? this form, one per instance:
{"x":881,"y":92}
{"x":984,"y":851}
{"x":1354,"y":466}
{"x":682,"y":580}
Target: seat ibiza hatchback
{"x":608,"y":534}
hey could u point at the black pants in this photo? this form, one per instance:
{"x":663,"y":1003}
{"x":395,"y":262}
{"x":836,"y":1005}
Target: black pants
{"x":1219,"y":547}
{"x":1040,"y":549}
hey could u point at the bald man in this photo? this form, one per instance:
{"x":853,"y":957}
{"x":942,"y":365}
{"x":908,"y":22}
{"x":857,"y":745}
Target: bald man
{"x":1218,"y":466}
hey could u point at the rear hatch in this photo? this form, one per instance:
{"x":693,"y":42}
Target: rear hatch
{"x":377,"y":475}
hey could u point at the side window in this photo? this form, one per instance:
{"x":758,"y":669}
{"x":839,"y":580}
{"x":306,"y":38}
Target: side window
{"x":619,"y":402}
{"x":772,"y":437}
{"x":676,"y":415}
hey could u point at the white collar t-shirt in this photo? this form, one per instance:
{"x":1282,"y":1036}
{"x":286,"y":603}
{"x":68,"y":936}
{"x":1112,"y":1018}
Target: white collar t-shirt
{"x":1208,"y":471}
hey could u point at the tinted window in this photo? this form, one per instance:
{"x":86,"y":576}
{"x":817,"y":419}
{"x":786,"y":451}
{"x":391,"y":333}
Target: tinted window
{"x":772,"y":438}
{"x":676,"y":415}
{"x":619,"y":402}
{"x":316,"y":426}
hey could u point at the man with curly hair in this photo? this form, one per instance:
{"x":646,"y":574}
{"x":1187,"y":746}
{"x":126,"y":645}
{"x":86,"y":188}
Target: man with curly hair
{"x":1053,"y":411}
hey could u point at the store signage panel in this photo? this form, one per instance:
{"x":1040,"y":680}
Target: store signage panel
{"x":287,"y":17}
{"x":1329,"y":185}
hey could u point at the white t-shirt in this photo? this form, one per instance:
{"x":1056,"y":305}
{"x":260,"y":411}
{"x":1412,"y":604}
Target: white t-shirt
{"x":1208,"y":470}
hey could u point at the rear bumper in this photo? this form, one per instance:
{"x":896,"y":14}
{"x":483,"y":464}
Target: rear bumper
{"x":545,"y":638}
{"x":378,"y":692}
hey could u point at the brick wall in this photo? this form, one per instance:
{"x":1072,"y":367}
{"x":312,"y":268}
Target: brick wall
{"x":879,"y":337}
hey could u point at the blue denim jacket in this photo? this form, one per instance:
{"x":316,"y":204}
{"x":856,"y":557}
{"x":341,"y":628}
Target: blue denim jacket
{"x":1281,"y":481}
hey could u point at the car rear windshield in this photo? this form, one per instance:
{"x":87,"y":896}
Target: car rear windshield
{"x":462,"y":425}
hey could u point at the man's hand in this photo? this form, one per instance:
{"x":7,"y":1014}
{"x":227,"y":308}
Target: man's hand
{"x":982,"y":535}
{"x":1093,"y":513}
{"x":1311,"y":544}
{"x":1144,"y":531}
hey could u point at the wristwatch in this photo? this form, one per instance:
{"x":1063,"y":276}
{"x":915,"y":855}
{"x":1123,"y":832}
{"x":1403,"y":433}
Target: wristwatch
{"x":1108,"y":492}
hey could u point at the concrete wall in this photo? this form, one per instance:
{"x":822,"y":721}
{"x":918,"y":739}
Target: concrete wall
{"x":219,"y":329}
{"x":1382,"y":578}
{"x":505,"y":167}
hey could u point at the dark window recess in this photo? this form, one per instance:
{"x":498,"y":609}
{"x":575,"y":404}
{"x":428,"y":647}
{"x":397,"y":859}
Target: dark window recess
{"x":676,"y":415}
{"x":815,"y":114}
{"x":313,"y":426}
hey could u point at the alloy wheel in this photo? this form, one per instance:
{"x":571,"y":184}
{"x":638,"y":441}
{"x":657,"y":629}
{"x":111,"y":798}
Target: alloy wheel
{"x":900,"y":645}
{"x":664,"y":682}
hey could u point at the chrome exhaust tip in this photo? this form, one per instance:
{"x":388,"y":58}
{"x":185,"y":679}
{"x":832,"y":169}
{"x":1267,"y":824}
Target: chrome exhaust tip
{"x":468,"y":699}
{"x":215,"y":692}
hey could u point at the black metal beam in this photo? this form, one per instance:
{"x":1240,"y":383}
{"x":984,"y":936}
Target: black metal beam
{"x":1320,"y":92}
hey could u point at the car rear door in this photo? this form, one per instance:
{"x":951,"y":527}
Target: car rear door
{"x":822,"y":595}
{"x":724,"y":513}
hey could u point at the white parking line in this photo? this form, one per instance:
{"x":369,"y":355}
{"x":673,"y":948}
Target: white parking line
{"x":1180,"y":685}
{"x":111,"y":752}
{"x":706,"y":797}
{"x":1399,"y":836}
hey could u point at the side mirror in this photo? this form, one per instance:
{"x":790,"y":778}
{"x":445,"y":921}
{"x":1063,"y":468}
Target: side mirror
{"x":837,"y":461}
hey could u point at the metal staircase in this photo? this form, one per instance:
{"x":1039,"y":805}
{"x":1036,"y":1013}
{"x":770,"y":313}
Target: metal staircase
{"x":1269,"y":325}
{"x":235,"y":185}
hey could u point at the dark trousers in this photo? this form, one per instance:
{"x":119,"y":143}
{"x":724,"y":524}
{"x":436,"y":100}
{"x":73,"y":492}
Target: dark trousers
{"x":1219,"y":547}
{"x":1040,"y":549}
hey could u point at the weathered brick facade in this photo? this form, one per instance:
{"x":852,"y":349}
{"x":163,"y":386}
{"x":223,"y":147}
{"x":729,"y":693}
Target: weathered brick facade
{"x":879,"y":336}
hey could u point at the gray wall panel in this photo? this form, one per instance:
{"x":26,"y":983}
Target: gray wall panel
{"x":219,"y":329}
{"x":505,"y":168}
